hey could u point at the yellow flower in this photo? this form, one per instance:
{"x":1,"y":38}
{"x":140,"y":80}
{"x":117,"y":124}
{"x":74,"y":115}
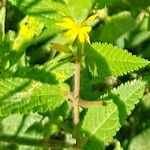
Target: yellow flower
{"x":77,"y":30}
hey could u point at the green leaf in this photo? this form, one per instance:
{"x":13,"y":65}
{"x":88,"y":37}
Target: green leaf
{"x":29,"y":28}
{"x":45,"y":8}
{"x":78,"y":9}
{"x":101,"y":123}
{"x":140,"y":34}
{"x":24,"y":96}
{"x":120,"y":23}
{"x":2,"y":21}
{"x":103,"y":3}
{"x":139,"y":38}
{"x":20,"y":125}
{"x":8,"y":58}
{"x":141,"y":141}
{"x":146,"y":100}
{"x":47,"y":11}
{"x":63,"y":71}
{"x":60,"y":73}
{"x":30,"y":6}
{"x":4,"y":54}
{"x":1,"y":24}
{"x":4,"y":49}
{"x":107,"y":60}
{"x":86,"y":89}
{"x":138,"y":4}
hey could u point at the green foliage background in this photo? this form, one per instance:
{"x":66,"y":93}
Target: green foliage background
{"x":35,"y":81}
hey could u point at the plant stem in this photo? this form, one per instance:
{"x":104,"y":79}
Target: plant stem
{"x":3,"y":18}
{"x":3,"y":3}
{"x":56,"y":144}
{"x":89,"y":104}
{"x":76,"y":88}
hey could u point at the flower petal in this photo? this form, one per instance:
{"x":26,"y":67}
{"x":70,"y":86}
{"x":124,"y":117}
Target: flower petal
{"x":66,"y":24}
{"x":91,"y":19}
{"x":87,"y":38}
{"x":81,"y":37}
{"x":86,"y":29}
{"x":72,"y":35}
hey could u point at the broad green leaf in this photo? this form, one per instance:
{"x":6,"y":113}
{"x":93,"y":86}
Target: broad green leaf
{"x":34,"y":6}
{"x":141,"y":141}
{"x":101,"y":123}
{"x":43,"y":8}
{"x":58,"y":74}
{"x":34,"y":73}
{"x":107,"y":60}
{"x":24,"y":96}
{"x":47,"y":11}
{"x":78,"y":9}
{"x":114,"y":27}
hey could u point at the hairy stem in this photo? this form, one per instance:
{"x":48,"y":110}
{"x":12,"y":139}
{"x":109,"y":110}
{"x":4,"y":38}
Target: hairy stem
{"x":11,"y":139}
{"x":76,"y":94}
{"x":76,"y":88}
{"x":3,"y":18}
{"x":89,"y":104}
{"x":3,"y":3}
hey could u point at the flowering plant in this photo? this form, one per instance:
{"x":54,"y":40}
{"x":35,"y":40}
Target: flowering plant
{"x":66,"y":80}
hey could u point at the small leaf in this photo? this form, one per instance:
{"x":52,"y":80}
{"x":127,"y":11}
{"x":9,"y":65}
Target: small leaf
{"x":107,"y":60}
{"x":59,"y":47}
{"x":101,"y":123}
